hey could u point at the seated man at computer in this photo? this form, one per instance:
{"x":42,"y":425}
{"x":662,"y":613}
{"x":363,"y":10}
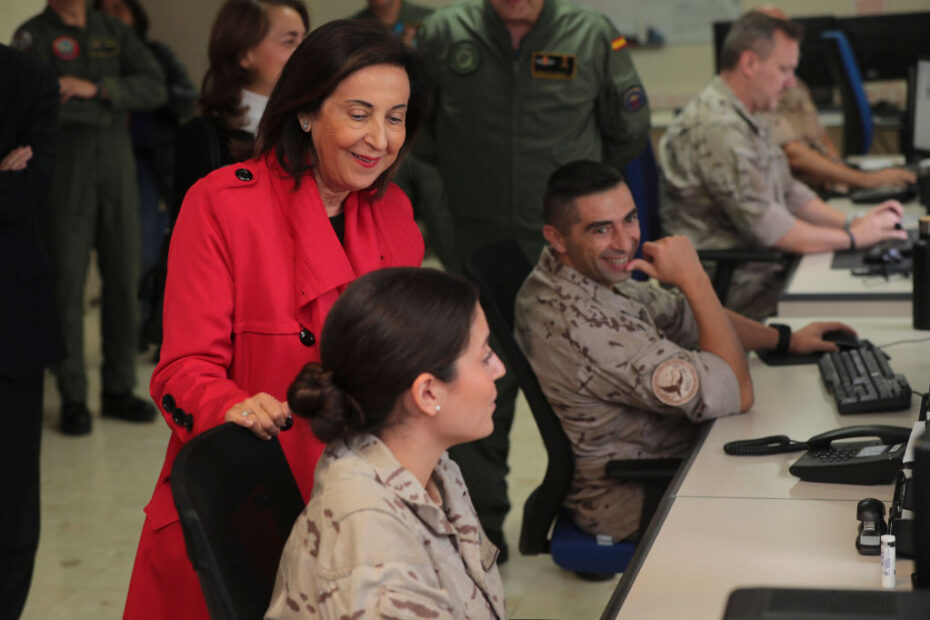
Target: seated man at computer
{"x":629,"y":367}
{"x":813,"y":157}
{"x":729,"y":186}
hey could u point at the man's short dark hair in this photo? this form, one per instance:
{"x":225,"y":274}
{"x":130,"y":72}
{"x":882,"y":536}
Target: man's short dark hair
{"x":571,"y":181}
{"x":755,"y":31}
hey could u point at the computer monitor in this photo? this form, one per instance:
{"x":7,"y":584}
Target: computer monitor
{"x":813,"y":67}
{"x":887,"y":45}
{"x":917,"y":133}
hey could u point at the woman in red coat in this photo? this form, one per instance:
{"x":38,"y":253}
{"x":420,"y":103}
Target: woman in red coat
{"x":261,"y":251}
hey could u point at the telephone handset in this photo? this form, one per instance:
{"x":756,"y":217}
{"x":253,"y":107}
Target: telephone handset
{"x":876,"y":461}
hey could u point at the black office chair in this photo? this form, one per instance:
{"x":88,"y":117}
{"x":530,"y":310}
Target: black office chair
{"x":643,"y":178}
{"x":237,"y":500}
{"x":499,"y":270}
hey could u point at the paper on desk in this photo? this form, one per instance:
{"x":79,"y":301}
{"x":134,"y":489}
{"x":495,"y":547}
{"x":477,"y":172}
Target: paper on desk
{"x":877,"y":162}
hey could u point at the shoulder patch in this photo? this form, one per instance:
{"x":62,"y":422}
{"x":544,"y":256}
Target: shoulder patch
{"x":22,"y":40}
{"x":675,"y":382}
{"x":66,"y":47}
{"x":464,"y":57}
{"x":633,"y":98}
{"x":618,"y":44}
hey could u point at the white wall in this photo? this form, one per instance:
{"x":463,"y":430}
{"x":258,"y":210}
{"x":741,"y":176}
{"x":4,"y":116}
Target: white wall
{"x":671,"y":75}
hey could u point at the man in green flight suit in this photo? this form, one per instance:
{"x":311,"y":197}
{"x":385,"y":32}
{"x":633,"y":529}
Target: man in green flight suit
{"x":521,"y":88}
{"x":103,"y":72}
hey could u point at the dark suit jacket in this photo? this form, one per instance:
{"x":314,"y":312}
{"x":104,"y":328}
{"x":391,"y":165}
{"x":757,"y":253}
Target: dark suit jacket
{"x":30,"y":333}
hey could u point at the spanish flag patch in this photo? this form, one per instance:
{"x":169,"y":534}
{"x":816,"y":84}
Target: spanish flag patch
{"x":618,"y":43}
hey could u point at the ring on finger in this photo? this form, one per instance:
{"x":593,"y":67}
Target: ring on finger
{"x":246,"y":413}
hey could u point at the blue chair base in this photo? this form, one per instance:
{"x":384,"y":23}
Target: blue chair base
{"x":574,"y":550}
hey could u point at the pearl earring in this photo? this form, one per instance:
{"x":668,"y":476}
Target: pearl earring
{"x":306,"y":126}
{"x":438,"y":408}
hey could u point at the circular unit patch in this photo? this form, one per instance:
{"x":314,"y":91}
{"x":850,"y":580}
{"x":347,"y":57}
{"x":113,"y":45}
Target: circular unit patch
{"x":633,"y":98}
{"x":464,"y":57}
{"x":675,"y":382}
{"x":65,"y":47}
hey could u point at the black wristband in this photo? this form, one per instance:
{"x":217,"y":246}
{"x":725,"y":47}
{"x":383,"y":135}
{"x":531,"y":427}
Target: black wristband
{"x":784,"y":338}
{"x":852,"y":240}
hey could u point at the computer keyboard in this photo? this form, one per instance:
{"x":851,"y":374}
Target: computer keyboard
{"x":861,"y":381}
{"x":875,"y":195}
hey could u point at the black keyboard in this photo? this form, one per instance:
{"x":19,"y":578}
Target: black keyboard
{"x":875,"y":195}
{"x":861,"y":380}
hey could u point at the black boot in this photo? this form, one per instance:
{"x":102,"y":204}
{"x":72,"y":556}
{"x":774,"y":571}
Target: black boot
{"x":127,"y":407}
{"x":75,"y":419}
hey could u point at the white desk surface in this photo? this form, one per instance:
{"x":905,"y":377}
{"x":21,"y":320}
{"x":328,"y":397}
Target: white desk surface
{"x":708,"y":547}
{"x":791,"y":400}
{"x":814,"y":289}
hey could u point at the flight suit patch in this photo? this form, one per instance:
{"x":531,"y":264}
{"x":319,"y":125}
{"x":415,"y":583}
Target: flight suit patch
{"x":22,"y":41}
{"x":633,"y":98}
{"x":675,"y":382}
{"x":102,"y":47}
{"x":464,"y":57}
{"x":554,"y":66}
{"x":65,"y":47}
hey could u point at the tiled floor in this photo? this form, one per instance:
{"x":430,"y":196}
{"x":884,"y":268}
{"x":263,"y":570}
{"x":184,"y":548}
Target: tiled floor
{"x":94,"y":488}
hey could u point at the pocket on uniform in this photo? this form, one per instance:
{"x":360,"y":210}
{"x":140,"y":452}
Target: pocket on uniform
{"x":161,"y":510}
{"x":407,"y":605}
{"x":285,"y":326}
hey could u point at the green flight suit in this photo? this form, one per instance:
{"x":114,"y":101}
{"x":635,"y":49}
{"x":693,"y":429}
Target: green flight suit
{"x":503,"y":120}
{"x":93,"y":200}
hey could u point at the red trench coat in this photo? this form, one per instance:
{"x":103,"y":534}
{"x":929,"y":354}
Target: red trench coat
{"x":253,"y":259}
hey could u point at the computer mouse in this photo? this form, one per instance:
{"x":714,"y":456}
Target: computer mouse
{"x":883,"y":255}
{"x":844,"y":340}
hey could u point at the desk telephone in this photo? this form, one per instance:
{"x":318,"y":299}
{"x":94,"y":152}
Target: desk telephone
{"x":875,"y":461}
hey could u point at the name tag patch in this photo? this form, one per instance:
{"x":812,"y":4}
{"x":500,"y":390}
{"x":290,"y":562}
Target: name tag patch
{"x":548,"y":66}
{"x":103,"y":47}
{"x":65,"y":47}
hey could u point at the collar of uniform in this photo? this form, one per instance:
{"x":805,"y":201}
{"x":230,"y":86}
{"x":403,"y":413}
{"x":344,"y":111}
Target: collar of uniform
{"x":622,"y":295}
{"x":493,"y":19}
{"x":724,"y":90}
{"x":405,"y":486}
{"x":52,"y":16}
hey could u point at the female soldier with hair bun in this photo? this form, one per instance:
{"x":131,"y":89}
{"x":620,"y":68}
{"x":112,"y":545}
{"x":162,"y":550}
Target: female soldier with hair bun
{"x":405,"y":372}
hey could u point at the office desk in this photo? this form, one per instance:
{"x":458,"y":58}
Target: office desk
{"x":710,"y":546}
{"x":730,"y":521}
{"x":814,"y":289}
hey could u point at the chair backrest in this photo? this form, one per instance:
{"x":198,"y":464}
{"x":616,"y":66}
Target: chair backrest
{"x":857,"y":116}
{"x":642,"y":177}
{"x":237,"y":500}
{"x":498,"y":270}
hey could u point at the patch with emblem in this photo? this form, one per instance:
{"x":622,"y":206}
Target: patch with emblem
{"x":464,"y":57}
{"x":65,"y":47}
{"x":618,"y":44}
{"x":633,"y":98}
{"x":102,"y":47}
{"x":675,"y":382}
{"x":22,"y":40}
{"x":554,"y":66}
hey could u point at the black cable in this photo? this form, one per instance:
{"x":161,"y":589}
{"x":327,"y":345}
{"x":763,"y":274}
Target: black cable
{"x":773,"y":444}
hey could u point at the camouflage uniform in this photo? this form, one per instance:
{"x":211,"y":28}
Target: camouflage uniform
{"x":621,"y":368}
{"x":796,"y":120}
{"x":729,"y":186}
{"x":371,"y":543}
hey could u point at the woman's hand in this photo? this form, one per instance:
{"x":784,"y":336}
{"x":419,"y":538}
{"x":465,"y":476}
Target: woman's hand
{"x":264,"y":414}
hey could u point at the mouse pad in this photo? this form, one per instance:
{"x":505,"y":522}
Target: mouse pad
{"x":850,"y":259}
{"x":787,"y":359}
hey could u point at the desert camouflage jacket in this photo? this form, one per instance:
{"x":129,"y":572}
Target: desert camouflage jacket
{"x":372,"y":544}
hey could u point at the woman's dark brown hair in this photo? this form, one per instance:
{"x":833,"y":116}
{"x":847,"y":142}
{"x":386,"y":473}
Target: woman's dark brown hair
{"x":239,"y":26}
{"x":326,"y":57}
{"x":386,"y":329}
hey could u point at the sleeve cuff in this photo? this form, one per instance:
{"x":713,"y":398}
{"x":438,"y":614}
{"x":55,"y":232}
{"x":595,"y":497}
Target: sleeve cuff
{"x":719,"y":387}
{"x":776,"y":220}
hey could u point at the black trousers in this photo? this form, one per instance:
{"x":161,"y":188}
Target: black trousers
{"x":20,"y":437}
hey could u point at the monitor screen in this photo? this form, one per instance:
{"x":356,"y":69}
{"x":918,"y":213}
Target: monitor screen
{"x":887,"y":45}
{"x":919,"y":106}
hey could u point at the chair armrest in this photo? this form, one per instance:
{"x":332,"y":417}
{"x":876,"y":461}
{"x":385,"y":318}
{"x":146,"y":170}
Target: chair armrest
{"x":740,"y":255}
{"x":643,"y":469}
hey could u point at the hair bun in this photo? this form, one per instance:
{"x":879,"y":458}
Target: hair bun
{"x":315,"y":395}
